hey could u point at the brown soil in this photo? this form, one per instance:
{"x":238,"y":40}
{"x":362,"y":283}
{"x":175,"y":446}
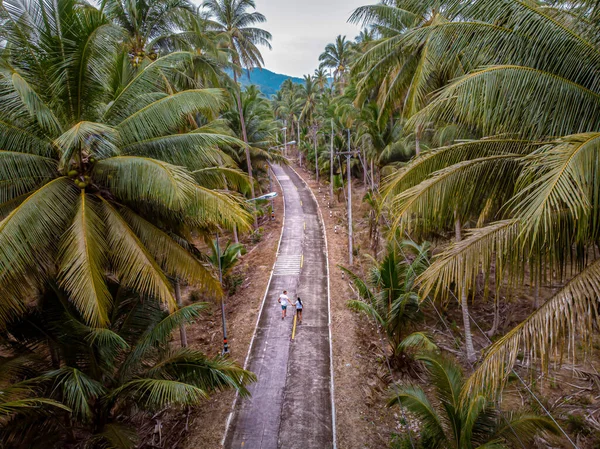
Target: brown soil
{"x":207,"y":423}
{"x":362,"y":420}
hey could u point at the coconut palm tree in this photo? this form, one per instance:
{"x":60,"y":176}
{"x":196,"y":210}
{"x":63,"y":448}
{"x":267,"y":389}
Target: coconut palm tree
{"x":261,"y":127}
{"x":152,"y":26}
{"x":448,"y":422}
{"x":100,"y":173}
{"x":337,"y":57}
{"x":321,"y":78}
{"x":398,"y":70}
{"x":80,"y":385}
{"x":389,"y":296}
{"x":236,"y":24}
{"x":527,"y":183}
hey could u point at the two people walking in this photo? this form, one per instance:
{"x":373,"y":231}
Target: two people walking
{"x":284,"y":300}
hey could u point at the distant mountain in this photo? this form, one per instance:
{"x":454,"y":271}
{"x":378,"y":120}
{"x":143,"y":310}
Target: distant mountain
{"x":268,"y":82}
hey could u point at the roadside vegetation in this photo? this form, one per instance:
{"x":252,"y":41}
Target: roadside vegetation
{"x":473,"y":131}
{"x":127,"y":145}
{"x":123,"y":149}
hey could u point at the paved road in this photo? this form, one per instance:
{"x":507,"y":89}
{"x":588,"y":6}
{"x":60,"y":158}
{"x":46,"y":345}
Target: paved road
{"x":290,"y":407}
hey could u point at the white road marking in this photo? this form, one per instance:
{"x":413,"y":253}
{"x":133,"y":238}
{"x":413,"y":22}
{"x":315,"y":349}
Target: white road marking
{"x":287,"y":264}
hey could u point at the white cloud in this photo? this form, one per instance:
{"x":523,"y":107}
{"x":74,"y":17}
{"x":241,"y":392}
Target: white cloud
{"x":302,"y":28}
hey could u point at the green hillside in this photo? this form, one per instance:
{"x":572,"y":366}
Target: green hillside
{"x":268,"y":82}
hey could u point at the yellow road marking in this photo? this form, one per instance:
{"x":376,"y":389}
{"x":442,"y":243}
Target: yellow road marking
{"x":294,"y":328}
{"x":301,"y":260}
{"x":300,"y":202}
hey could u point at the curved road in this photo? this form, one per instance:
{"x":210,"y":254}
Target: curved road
{"x":291,"y":403}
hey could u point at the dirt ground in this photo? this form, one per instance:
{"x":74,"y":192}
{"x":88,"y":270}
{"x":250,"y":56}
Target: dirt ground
{"x":207,"y":423}
{"x":362,"y":420}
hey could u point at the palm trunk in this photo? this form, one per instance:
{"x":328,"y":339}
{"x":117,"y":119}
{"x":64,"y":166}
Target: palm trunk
{"x":331,"y":166}
{"x":464,"y":304}
{"x":418,"y":140}
{"x":372,"y":175}
{"x":316,"y":157}
{"x":245,"y":137}
{"x":496,"y":322}
{"x":182,"y":332}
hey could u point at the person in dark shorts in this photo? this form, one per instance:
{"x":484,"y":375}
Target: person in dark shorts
{"x":284,"y":301}
{"x":299,"y":307}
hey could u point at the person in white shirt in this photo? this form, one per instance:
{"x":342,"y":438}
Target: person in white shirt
{"x":284,"y":301}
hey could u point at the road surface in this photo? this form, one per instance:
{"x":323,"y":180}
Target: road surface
{"x":291,"y":403}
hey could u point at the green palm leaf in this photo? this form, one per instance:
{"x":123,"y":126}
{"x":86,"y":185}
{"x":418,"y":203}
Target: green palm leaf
{"x":83,"y":263}
{"x":173,"y":258}
{"x":159,"y":334}
{"x":427,"y":163}
{"x":558,"y":176}
{"x":461,"y":187}
{"x":27,"y":233}
{"x":97,"y":137}
{"x":139,"y":179}
{"x":193,"y":150}
{"x":155,"y":394}
{"x":77,"y":390}
{"x":116,"y":436}
{"x":415,"y":400}
{"x":213,"y":208}
{"x":18,"y":139}
{"x":22,"y":172}
{"x":150,"y":78}
{"x":133,"y":264}
{"x":209,"y":374}
{"x":515,"y":99}
{"x":166,"y":114}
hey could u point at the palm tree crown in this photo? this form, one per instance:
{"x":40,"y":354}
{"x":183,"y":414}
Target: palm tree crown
{"x":100,"y":166}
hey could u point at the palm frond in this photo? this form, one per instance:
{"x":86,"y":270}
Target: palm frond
{"x":570,"y":313}
{"x":137,"y":179}
{"x":26,"y":235}
{"x":160,"y":333}
{"x":213,"y":208}
{"x":427,"y":163}
{"x":156,"y":394}
{"x":415,"y":400}
{"x":418,"y":342}
{"x":209,"y":374}
{"x":463,"y":261}
{"x":134,"y":265}
{"x":83,"y":263}
{"x":167,"y":114}
{"x":96,"y":139}
{"x":77,"y":390}
{"x":173,"y":258}
{"x":514,"y":99}
{"x":460,"y":187}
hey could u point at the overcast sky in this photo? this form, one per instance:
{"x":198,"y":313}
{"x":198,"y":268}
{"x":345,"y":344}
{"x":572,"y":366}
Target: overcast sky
{"x":302,"y":28}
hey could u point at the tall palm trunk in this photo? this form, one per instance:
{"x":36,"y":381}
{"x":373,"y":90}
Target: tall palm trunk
{"x":372,"y":175}
{"x":464,"y":304}
{"x":331,"y":166}
{"x":245,"y":138}
{"x":418,"y":140}
{"x":182,"y":331}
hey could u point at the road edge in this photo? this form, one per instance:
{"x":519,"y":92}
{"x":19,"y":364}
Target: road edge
{"x":262,"y":306}
{"x":332,"y":383}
